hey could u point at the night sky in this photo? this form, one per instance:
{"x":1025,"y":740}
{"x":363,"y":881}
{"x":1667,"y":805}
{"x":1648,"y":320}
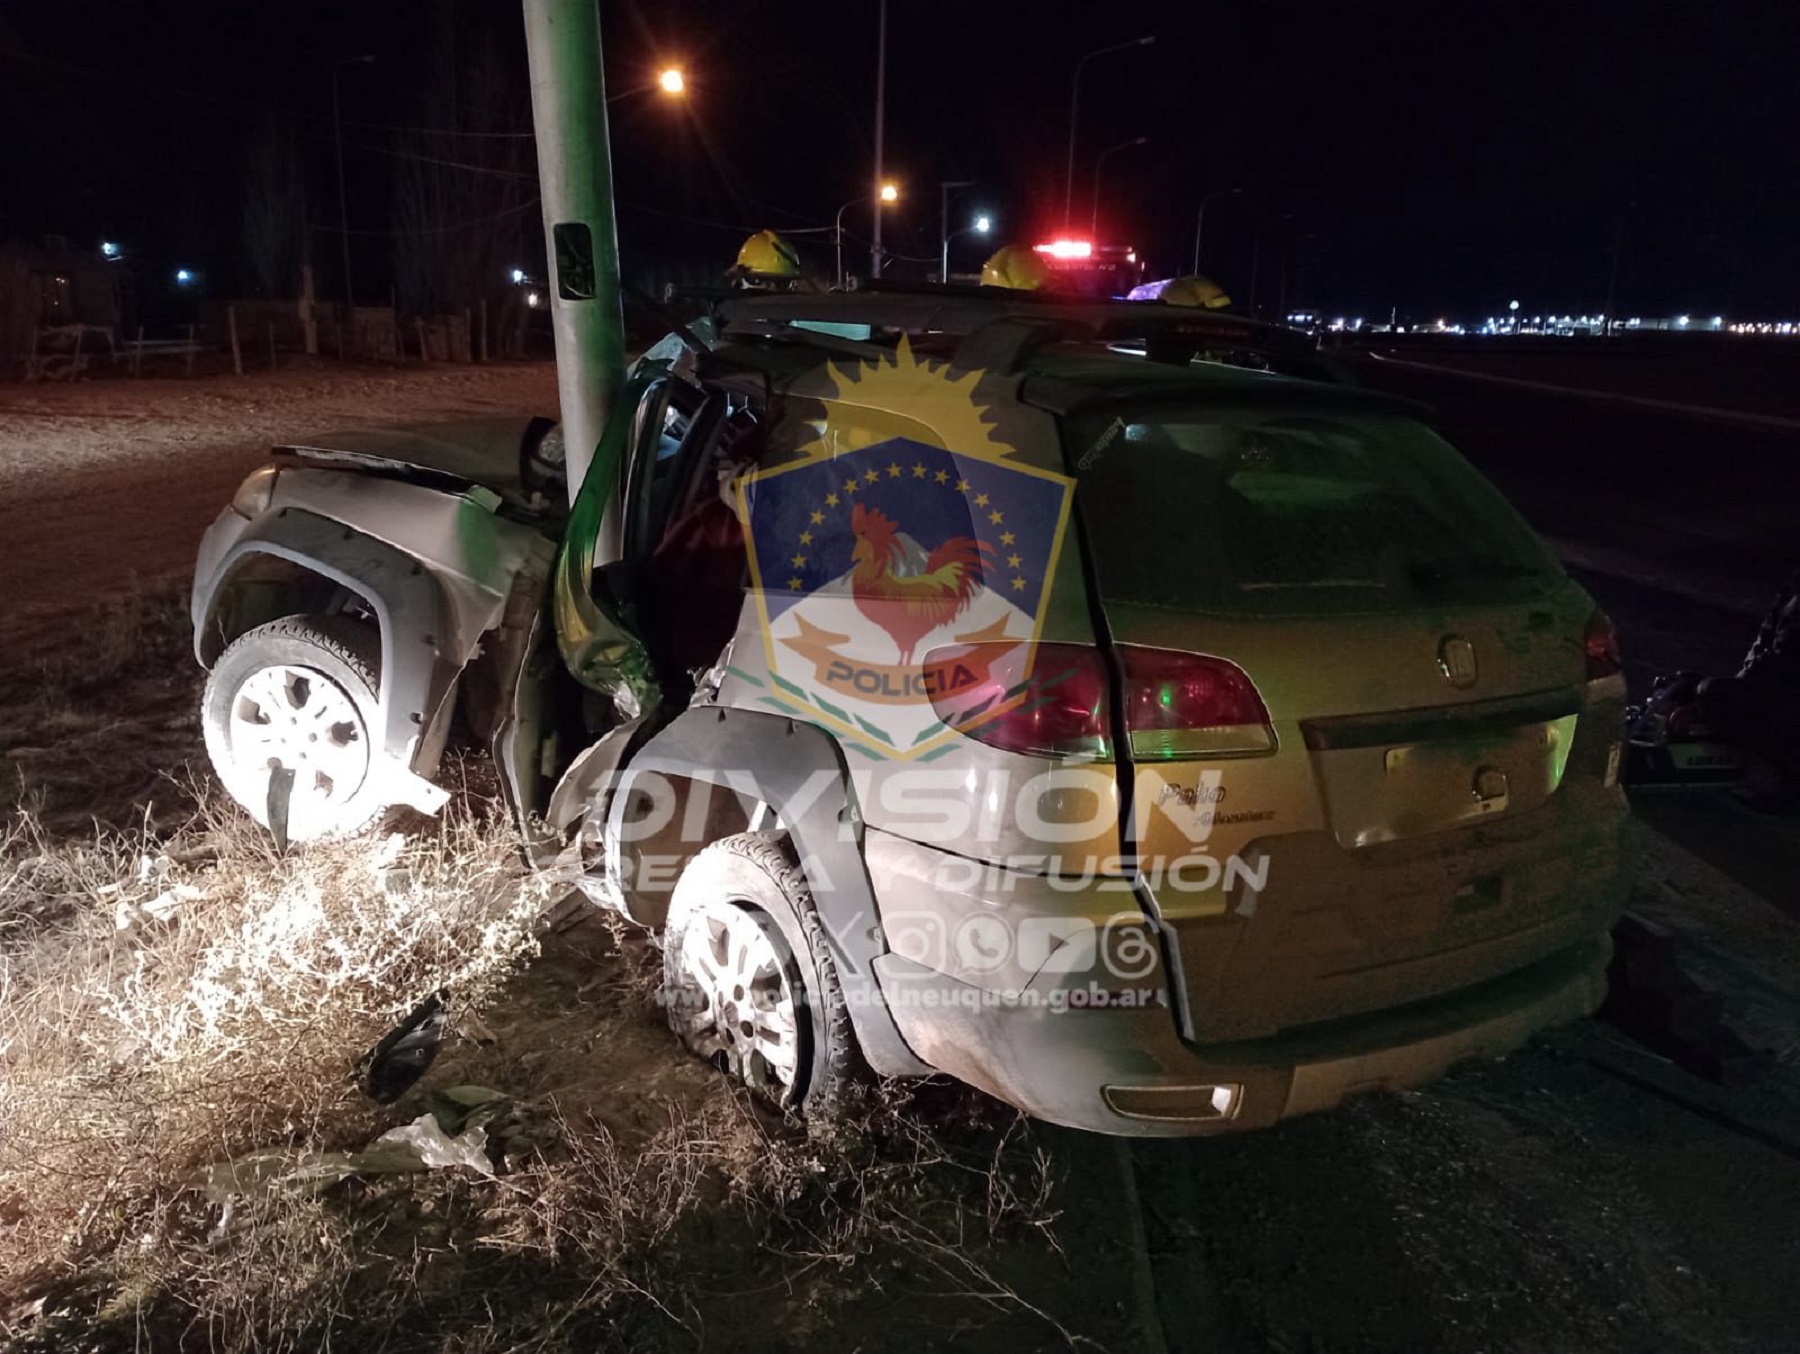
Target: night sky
{"x":1441,"y":158}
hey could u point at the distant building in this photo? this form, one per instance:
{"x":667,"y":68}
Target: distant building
{"x":54,"y":283}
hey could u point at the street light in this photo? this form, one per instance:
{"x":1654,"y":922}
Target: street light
{"x":1099,"y":160}
{"x":889,"y":193}
{"x":337,"y":131}
{"x":1075,"y":112}
{"x":670,"y":81}
{"x":1200,"y":219}
{"x":981,"y":225}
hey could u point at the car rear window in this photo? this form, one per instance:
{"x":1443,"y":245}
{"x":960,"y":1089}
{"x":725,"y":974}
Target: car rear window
{"x":1258,"y":510}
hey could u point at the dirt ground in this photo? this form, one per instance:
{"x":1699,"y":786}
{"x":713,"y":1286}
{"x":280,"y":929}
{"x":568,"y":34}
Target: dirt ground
{"x":1584,"y":1195}
{"x":109,"y":483}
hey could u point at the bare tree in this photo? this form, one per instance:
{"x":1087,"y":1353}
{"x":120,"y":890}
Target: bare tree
{"x":464,"y":188}
{"x":274,"y":197}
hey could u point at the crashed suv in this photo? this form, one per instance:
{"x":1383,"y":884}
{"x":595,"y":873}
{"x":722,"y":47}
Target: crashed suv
{"x":1104,"y":704}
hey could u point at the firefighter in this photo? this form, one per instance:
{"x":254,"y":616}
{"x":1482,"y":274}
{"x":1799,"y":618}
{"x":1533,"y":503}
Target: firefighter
{"x":1015,"y":268}
{"x":1194,"y":290}
{"x":766,"y":262}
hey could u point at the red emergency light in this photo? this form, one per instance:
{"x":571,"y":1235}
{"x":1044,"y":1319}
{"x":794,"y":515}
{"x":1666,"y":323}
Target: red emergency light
{"x":1067,"y":249}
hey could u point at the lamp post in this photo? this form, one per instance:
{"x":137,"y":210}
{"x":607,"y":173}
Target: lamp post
{"x":1075,"y":112}
{"x":881,"y":187}
{"x":337,"y":131}
{"x":887,"y":193}
{"x":944,"y":188}
{"x":1200,"y":219}
{"x":1099,"y":161}
{"x":981,"y":225}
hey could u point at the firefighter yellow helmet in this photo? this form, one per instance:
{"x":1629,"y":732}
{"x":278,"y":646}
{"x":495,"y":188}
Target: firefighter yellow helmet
{"x":1195,"y":291}
{"x":766,"y":254}
{"x":1016,"y":268}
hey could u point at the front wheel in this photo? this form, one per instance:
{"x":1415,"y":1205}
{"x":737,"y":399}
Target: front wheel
{"x":299,"y":694}
{"x":749,"y":980}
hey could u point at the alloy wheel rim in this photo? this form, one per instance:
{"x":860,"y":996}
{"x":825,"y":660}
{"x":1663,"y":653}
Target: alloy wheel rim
{"x":297,"y":718}
{"x":737,"y":1006}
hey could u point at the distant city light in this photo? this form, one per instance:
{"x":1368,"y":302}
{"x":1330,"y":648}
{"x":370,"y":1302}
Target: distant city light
{"x":183,"y":277}
{"x":1681,"y":320}
{"x":533,"y":300}
{"x":517,"y":275}
{"x":1513,"y":306}
{"x":109,"y":250}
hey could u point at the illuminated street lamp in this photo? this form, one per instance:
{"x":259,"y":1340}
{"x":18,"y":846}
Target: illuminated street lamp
{"x":981,"y":225}
{"x":890,"y":192}
{"x":671,"y":80}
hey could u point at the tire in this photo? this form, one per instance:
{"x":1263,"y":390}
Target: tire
{"x":746,"y":888}
{"x":311,"y":683}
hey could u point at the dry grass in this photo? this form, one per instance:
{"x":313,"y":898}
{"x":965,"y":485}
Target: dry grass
{"x":164,"y":1004}
{"x":173,"y":995}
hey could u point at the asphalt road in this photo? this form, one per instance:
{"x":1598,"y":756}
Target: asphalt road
{"x":1674,"y":497}
{"x":1693,"y":523}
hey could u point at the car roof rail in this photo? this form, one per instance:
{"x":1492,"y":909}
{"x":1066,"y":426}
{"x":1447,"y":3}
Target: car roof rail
{"x":999,"y":330}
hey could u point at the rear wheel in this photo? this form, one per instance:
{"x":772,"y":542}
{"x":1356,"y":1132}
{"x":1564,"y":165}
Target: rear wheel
{"x":749,"y":980}
{"x":299,"y":694}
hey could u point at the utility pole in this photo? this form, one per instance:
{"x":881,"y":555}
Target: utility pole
{"x":568,"y":108}
{"x":880,"y":137}
{"x":944,"y":223}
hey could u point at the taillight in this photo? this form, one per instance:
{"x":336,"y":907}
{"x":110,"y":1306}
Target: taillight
{"x":1177,"y":705}
{"x":1180,"y":705}
{"x":1601,"y":641}
{"x":1058,"y":711}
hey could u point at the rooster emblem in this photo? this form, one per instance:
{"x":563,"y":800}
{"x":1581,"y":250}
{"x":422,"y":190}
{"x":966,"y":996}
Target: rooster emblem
{"x":904,"y":590}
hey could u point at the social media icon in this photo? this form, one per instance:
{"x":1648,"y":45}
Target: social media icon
{"x":921,"y":937}
{"x":1056,"y":944}
{"x":983,"y":943}
{"x":1128,"y":950}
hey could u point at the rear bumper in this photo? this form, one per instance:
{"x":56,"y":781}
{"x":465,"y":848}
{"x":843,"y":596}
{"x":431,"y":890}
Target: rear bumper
{"x":1126,"y":1072}
{"x":1079,"y":1029}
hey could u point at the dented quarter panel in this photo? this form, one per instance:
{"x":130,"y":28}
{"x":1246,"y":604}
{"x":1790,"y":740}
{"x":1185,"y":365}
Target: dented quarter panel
{"x":798,"y":770}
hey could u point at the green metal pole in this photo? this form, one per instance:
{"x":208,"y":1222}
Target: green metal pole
{"x":568,"y":106}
